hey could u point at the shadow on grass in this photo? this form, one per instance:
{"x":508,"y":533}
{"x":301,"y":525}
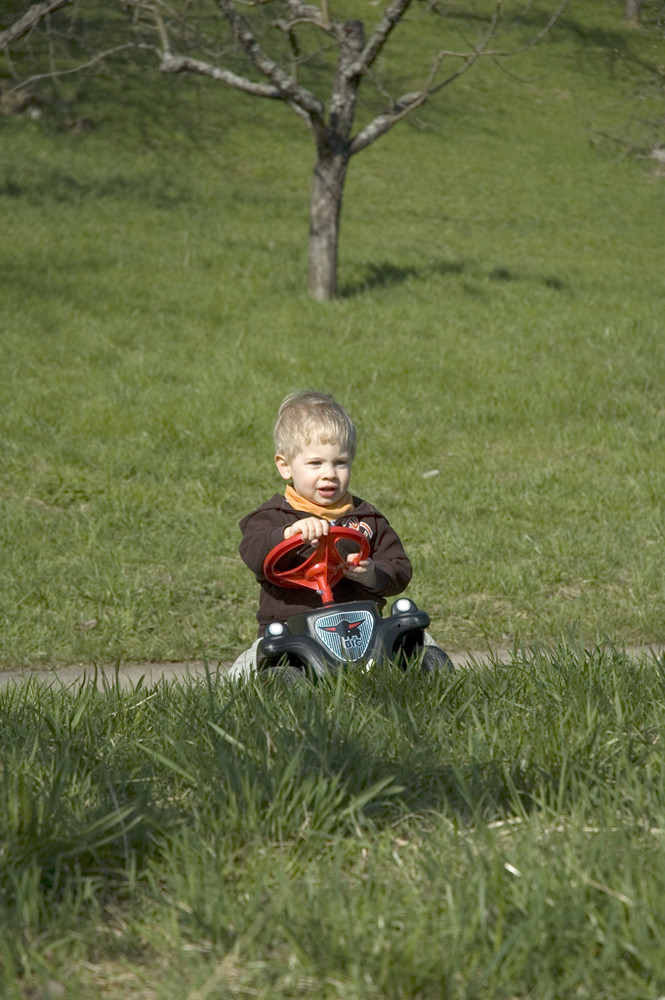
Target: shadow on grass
{"x":614,"y":45}
{"x":44,"y":186}
{"x":374,"y":755}
{"x":387,"y":275}
{"x":468,"y":790}
{"x":550,"y":281}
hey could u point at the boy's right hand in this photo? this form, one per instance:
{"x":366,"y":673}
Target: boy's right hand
{"x":311,"y":529}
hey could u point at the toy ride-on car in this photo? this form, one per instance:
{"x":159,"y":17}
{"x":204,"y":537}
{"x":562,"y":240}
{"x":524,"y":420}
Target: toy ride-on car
{"x":319,"y":642}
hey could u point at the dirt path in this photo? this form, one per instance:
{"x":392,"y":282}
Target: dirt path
{"x":130,"y":674}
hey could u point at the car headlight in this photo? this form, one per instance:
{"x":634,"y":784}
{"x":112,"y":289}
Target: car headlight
{"x":276,"y":628}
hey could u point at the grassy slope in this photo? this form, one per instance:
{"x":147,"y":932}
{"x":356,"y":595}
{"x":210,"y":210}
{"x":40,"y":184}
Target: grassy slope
{"x":500,"y":323}
{"x":494,"y":833}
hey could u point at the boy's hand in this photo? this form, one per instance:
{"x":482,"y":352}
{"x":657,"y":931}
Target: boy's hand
{"x":363,"y":572}
{"x":311,"y":529}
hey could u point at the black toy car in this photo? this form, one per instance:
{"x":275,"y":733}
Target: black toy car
{"x":339,"y":635}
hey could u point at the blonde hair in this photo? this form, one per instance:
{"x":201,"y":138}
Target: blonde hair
{"x":308,"y":416}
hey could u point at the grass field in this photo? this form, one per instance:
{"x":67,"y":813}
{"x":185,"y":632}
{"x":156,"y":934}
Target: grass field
{"x":493,"y":833}
{"x":500,"y":322}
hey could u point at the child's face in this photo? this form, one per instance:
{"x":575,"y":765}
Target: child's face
{"x":320,"y":472}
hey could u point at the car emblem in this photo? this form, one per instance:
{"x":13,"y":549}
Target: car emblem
{"x":346,"y":634}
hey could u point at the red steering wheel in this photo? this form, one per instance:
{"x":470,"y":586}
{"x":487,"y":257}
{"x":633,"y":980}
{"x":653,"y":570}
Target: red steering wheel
{"x":320,"y":570}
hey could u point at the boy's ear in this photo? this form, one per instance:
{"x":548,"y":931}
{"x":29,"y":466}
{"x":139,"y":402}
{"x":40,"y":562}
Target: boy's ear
{"x":283,"y":467}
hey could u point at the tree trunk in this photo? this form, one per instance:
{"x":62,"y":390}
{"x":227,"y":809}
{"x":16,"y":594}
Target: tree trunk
{"x":632,"y":10}
{"x":324,"y":214}
{"x":332,"y":160}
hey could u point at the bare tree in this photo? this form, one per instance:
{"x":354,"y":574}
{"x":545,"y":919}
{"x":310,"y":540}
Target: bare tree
{"x":271,"y":46}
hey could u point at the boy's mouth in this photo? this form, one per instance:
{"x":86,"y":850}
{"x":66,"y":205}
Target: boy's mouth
{"x":327,"y":491}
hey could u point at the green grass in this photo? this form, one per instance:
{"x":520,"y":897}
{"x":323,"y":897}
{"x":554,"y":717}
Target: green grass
{"x":500,"y":322}
{"x":491,"y":833}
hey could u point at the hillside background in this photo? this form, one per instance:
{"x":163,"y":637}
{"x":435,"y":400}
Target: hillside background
{"x":498,"y":339}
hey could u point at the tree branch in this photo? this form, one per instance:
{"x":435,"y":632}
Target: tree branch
{"x":184,"y":64}
{"x":406,"y":104}
{"x":30,"y":19}
{"x":535,"y":39}
{"x":302,"y":13}
{"x":391,"y":18}
{"x":289,"y":90}
{"x":79,"y":68}
{"x":298,"y":98}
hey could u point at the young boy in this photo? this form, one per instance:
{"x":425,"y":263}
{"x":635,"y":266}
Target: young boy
{"x":315,"y":444}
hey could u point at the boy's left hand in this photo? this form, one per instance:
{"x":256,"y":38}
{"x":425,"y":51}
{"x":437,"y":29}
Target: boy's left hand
{"x":363,"y":572}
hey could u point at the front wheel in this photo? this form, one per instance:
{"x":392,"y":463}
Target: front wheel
{"x":435,"y":659}
{"x":286,"y":673}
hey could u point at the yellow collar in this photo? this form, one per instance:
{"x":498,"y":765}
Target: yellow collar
{"x":298,"y":502}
